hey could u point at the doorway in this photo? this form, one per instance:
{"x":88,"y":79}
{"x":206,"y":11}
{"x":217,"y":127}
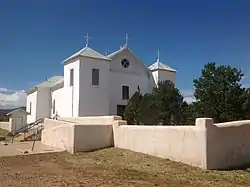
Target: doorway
{"x":120,"y":110}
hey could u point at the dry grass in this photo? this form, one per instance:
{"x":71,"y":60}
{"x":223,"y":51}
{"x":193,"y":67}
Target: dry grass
{"x":110,"y":167}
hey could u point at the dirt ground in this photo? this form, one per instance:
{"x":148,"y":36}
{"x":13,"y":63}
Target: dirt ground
{"x":110,"y":167}
{"x":18,"y":148}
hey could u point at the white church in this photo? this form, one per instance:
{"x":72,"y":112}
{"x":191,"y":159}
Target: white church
{"x":94,"y":84}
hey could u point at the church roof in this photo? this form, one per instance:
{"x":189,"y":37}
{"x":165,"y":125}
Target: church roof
{"x":48,"y":83}
{"x":112,"y":55}
{"x":88,"y":52}
{"x":160,"y":66}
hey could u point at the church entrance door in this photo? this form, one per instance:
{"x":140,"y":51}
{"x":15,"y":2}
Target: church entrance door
{"x":120,"y":110}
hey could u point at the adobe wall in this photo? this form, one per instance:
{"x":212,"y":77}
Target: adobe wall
{"x":5,"y":125}
{"x":228,"y":145}
{"x":205,"y":145}
{"x":186,"y":144}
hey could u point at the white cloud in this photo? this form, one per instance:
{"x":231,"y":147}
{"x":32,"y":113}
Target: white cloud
{"x":12,"y":98}
{"x":188,"y":96}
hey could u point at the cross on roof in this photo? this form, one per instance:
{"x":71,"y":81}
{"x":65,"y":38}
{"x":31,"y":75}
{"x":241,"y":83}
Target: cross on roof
{"x":158,"y":59}
{"x":126,"y":40}
{"x":87,"y":39}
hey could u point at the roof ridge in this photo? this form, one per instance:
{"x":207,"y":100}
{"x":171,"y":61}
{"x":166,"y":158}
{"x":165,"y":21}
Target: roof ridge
{"x":88,"y":52}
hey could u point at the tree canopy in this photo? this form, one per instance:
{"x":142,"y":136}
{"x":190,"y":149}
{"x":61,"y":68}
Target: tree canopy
{"x":218,"y":92}
{"x":162,"y":106}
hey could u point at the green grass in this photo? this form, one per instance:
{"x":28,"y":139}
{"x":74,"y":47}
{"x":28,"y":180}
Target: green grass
{"x":110,"y":167}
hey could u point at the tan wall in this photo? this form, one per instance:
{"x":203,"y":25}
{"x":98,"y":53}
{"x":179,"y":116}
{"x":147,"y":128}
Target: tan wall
{"x":93,"y":137}
{"x":50,"y":123}
{"x":178,"y":143}
{"x":75,"y":137}
{"x":228,"y":144}
{"x":5,"y":125}
{"x":206,"y":145}
{"x":59,"y":136}
{"x":96,"y":120}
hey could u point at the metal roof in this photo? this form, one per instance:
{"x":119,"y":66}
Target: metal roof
{"x":88,"y":52}
{"x":160,"y":66}
{"x":48,"y":83}
{"x":19,"y":109}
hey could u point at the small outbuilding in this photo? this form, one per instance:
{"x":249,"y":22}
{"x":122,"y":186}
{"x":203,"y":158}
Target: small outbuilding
{"x":17,"y":119}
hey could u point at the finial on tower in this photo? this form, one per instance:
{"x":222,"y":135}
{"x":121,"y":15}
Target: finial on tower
{"x":87,"y":39}
{"x":126,"y":40}
{"x":158,"y":57}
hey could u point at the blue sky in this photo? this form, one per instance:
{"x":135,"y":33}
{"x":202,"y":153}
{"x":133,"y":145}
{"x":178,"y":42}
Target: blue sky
{"x":35,"y":36}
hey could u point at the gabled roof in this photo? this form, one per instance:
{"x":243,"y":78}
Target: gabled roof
{"x":48,"y":83}
{"x":88,"y":52}
{"x":16,"y":110}
{"x":160,"y":66}
{"x":124,"y":48}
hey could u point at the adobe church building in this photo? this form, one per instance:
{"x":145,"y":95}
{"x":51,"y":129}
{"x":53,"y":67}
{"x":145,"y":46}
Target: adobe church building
{"x":95,"y":85}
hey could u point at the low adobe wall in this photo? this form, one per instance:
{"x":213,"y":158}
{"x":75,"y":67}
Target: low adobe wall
{"x":58,"y":135}
{"x":75,"y":137}
{"x":205,"y":145}
{"x":92,"y":120}
{"x":92,"y":137}
{"x":186,"y":144}
{"x":228,"y":144}
{"x":5,"y":125}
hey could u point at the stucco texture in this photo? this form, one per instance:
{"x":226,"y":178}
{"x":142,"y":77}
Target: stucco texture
{"x":205,"y":145}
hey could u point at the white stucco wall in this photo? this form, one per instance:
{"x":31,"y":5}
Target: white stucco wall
{"x":117,"y":80}
{"x":33,"y":99}
{"x":179,"y":143}
{"x":93,"y":100}
{"x":206,"y":145}
{"x":71,"y":93}
{"x":5,"y":125}
{"x":59,"y":97}
{"x":161,"y":75}
{"x":167,"y":75}
{"x":17,"y":120}
{"x":133,"y":76}
{"x":43,"y":106}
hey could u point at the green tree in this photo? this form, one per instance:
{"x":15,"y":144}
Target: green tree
{"x":132,"y":109}
{"x":169,"y":103}
{"x":219,"y":93}
{"x":148,"y":112}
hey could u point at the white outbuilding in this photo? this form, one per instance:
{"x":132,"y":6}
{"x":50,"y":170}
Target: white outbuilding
{"x":17,"y":119}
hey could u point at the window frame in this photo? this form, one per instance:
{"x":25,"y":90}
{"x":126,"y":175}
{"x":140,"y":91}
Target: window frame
{"x":93,"y":79}
{"x":30,"y":107}
{"x":122,"y":93}
{"x":71,"y":77}
{"x":54,"y":106}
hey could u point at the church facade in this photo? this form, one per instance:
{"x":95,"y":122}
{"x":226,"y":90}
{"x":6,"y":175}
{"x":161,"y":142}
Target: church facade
{"x":95,"y":85}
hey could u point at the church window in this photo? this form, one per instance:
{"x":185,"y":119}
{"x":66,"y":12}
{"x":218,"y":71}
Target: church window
{"x":125,"y":92}
{"x":54,"y":106}
{"x":125,"y":63}
{"x":71,"y":83}
{"x":30,"y":107}
{"x":95,"y":77}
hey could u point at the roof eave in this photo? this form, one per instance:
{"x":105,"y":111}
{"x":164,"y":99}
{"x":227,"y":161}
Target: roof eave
{"x":163,"y":70}
{"x":71,"y":58}
{"x":31,"y":90}
{"x":10,"y":113}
